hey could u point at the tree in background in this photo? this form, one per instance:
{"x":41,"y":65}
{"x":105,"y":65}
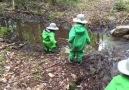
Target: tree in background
{"x":13,"y":4}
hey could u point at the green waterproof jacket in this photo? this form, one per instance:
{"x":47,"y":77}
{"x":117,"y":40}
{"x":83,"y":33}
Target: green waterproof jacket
{"x":119,"y":82}
{"x":49,"y":39}
{"x":78,"y":37}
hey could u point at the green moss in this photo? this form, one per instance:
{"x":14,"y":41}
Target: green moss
{"x":7,"y":49}
{"x":40,"y":11}
{"x":3,"y":31}
{"x":72,"y":86}
{"x":121,"y":5}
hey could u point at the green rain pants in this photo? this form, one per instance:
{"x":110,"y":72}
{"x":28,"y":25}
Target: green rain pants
{"x":79,"y":55}
{"x":50,"y":47}
{"x":49,"y":40}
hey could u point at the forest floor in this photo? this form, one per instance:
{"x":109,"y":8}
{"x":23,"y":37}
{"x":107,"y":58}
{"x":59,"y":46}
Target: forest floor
{"x":31,"y":70}
{"x":22,"y":69}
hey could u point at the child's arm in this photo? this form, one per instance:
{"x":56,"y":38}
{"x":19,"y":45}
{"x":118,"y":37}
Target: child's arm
{"x":87,"y":38}
{"x":44,"y":35}
{"x":71,"y":35}
{"x":52,"y":37}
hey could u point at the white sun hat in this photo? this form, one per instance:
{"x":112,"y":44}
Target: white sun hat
{"x":52,"y":26}
{"x":123,"y":66}
{"x":80,"y":18}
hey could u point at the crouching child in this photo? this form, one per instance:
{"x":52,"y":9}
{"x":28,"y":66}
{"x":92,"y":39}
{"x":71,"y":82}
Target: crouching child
{"x":48,"y":37}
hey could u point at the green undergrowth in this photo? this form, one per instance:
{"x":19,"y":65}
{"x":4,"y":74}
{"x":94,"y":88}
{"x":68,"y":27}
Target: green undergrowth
{"x":121,"y":5}
{"x":3,"y":31}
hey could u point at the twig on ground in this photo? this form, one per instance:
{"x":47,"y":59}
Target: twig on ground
{"x":3,"y":47}
{"x":125,"y":18}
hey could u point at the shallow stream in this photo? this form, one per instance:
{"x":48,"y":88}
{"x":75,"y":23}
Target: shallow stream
{"x":31,"y":32}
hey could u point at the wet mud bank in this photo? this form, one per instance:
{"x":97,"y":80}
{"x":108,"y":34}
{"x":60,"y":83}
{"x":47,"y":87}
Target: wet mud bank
{"x":52,"y":71}
{"x":62,"y":22}
{"x":93,"y":73}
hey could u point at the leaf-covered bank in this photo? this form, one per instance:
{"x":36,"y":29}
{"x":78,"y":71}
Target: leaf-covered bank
{"x":31,"y":70}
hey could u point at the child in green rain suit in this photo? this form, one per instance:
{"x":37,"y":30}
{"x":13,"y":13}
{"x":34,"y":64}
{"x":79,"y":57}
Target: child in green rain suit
{"x":120,"y":82}
{"x":48,"y":36}
{"x":78,"y":38}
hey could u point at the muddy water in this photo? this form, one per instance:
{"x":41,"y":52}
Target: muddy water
{"x":31,"y":32}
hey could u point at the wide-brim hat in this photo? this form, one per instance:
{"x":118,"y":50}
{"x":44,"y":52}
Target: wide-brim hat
{"x":52,"y":26}
{"x":80,"y":18}
{"x":123,"y":66}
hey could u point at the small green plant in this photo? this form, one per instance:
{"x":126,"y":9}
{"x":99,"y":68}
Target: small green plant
{"x":39,"y":70}
{"x":37,"y":64}
{"x":3,"y":31}
{"x":1,"y":58}
{"x":72,"y":86}
{"x":8,"y":49}
{"x":120,"y":5}
{"x":38,"y":76}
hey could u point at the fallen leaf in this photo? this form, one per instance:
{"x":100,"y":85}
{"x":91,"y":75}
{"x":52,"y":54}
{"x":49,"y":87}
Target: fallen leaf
{"x":51,"y":75}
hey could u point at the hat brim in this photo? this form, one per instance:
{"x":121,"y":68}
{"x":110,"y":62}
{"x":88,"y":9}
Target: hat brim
{"x":122,"y":67}
{"x":53,"y":28}
{"x":79,"y":21}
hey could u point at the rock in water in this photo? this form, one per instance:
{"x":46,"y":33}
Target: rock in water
{"x":126,"y":37}
{"x":120,"y":31}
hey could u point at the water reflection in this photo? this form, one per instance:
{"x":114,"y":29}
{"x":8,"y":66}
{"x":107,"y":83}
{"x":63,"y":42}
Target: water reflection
{"x":31,"y":32}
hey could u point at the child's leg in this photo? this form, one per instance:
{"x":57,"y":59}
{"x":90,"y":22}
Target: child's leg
{"x":52,"y":47}
{"x":46,"y":48}
{"x":72,"y":55}
{"x":80,"y":54}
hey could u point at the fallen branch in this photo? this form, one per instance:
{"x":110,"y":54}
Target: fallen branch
{"x":12,"y":44}
{"x":19,"y":80}
{"x":3,"y":47}
{"x":51,"y":66}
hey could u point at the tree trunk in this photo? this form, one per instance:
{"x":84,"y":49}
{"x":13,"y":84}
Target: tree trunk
{"x":13,"y":4}
{"x":3,"y":22}
{"x":19,"y":31}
